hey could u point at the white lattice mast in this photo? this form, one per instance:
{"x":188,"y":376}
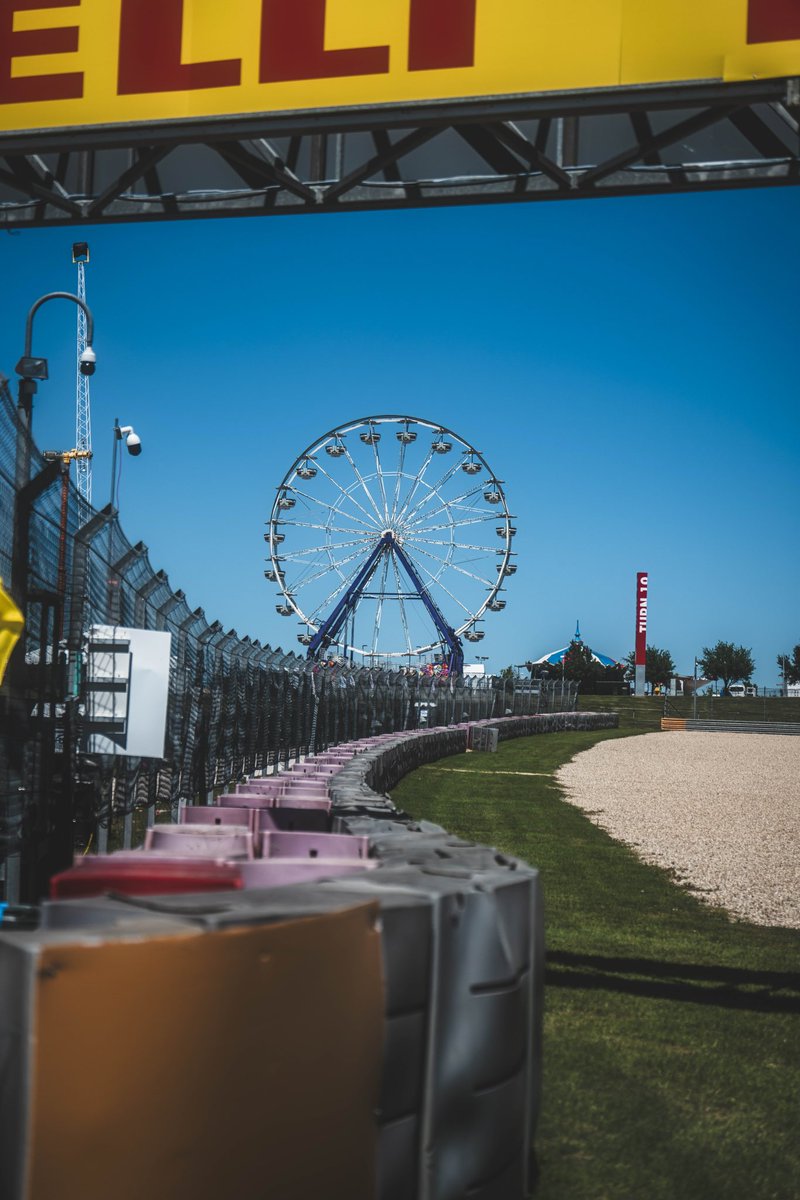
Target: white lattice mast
{"x":83,"y":412}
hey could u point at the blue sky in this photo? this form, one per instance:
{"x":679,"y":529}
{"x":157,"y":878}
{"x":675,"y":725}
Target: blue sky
{"x":628,"y":367}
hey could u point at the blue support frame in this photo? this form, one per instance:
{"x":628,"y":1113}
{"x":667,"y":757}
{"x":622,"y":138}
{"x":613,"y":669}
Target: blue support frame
{"x":332,"y":626}
{"x":450,"y":639}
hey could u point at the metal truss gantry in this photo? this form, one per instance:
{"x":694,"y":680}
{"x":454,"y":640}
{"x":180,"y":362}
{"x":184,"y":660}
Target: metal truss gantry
{"x":581,"y":145}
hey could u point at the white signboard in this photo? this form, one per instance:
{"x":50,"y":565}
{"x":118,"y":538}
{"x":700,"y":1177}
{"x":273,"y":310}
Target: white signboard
{"x":127,"y":688}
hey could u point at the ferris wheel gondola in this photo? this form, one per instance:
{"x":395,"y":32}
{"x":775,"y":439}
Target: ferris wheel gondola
{"x":383,"y":541}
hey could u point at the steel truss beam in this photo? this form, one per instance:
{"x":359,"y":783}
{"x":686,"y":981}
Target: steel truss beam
{"x":678,"y":138}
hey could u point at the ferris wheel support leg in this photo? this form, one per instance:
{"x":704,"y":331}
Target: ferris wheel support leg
{"x":330,"y":629}
{"x":449,"y":637}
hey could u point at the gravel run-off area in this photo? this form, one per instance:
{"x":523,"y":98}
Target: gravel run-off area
{"x":722,"y":810}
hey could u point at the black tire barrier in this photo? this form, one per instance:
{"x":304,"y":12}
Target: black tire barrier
{"x":463,"y":964}
{"x":359,"y":789}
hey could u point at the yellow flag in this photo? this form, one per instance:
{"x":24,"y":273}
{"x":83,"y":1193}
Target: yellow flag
{"x":12,"y":623}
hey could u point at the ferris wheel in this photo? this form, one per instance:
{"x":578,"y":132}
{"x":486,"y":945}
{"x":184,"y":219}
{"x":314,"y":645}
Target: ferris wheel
{"x":390,"y":539}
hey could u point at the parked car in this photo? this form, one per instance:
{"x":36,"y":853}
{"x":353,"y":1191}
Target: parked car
{"x":737,"y":689}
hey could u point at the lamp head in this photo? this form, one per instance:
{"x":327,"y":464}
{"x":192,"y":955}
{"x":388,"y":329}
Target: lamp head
{"x":32,"y":368}
{"x":88,"y":362}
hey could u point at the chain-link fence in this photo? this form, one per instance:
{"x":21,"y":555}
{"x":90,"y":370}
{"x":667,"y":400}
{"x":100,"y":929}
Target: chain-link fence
{"x":235,"y":707}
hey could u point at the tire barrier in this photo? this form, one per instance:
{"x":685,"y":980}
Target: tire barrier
{"x":689,"y":724}
{"x":358,"y":790}
{"x":461,"y":946}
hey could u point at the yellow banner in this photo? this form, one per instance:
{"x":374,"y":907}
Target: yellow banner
{"x":67,"y":63}
{"x":12,"y":624}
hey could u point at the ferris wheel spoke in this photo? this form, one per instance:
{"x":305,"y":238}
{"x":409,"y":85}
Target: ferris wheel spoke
{"x":312,"y":572}
{"x":305,"y":580}
{"x":399,"y":475}
{"x":455,"y":520}
{"x":401,"y":606}
{"x":420,"y":475}
{"x":451,"y":566}
{"x":406,"y":512}
{"x":328,"y":528}
{"x":379,"y":608}
{"x":322,"y":557}
{"x":454,"y":502}
{"x":361,"y":480}
{"x":381,"y":484}
{"x":444,"y":562}
{"x":479,"y":520}
{"x":423,"y":570}
{"x":326,"y":562}
{"x":329,"y":508}
{"x":294,"y":555}
{"x":436,"y":488}
{"x":342,"y":586}
{"x":455,"y":545}
{"x":347,"y":495}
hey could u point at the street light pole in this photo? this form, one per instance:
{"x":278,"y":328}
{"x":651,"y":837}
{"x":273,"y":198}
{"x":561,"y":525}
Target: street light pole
{"x":114,"y":462}
{"x":31,"y":369}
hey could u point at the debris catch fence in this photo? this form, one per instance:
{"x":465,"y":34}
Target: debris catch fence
{"x":235,"y":707}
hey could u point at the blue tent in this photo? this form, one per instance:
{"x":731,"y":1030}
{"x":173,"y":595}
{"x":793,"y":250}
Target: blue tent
{"x":555,"y":657}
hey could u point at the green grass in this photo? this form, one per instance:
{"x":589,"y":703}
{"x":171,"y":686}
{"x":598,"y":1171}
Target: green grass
{"x":671,"y":1067}
{"x":645,"y":713}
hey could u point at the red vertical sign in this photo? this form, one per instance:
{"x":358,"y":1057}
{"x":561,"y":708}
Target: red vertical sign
{"x":641,"y":619}
{"x":773,"y":21}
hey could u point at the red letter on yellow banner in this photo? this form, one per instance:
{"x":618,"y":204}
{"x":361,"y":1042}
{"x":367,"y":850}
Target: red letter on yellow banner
{"x":31,"y":42}
{"x":293,"y":45}
{"x":773,"y":21}
{"x":151,"y":32}
{"x":442,"y":34}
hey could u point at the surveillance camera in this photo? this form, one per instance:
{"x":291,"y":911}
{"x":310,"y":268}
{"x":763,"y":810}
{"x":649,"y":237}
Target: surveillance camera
{"x":134,"y":444}
{"x":88,"y":361}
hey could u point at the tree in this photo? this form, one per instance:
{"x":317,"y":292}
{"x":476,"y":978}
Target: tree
{"x":578,"y":664}
{"x":541,"y":670}
{"x":790,"y":666}
{"x":508,"y":677}
{"x":659,"y":665}
{"x":727,"y":663}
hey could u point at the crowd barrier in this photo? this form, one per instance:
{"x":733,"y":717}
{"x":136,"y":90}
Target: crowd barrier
{"x":444,"y":939}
